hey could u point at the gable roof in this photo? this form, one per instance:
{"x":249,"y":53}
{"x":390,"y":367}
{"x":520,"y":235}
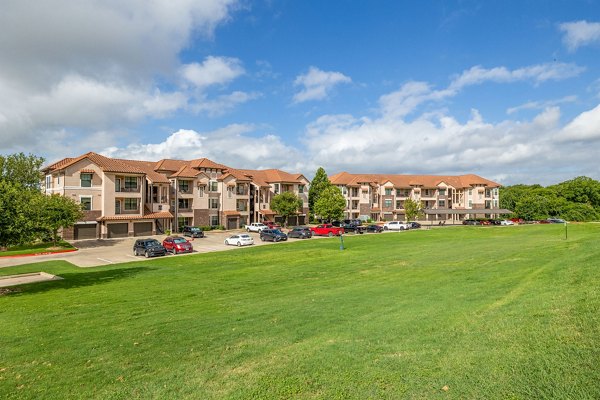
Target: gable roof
{"x":427,"y":181}
{"x":104,"y":163}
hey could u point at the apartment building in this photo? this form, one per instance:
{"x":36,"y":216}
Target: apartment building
{"x":444,"y":199}
{"x":137,"y":198}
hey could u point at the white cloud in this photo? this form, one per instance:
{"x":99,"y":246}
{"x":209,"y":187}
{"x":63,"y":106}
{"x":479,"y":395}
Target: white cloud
{"x":535,"y":73}
{"x":223,"y":103}
{"x":580,"y":33}
{"x":540,"y":105}
{"x":232,"y":145}
{"x":213,"y":71}
{"x":317,"y":84}
{"x":77,"y":68}
{"x":585,"y":127}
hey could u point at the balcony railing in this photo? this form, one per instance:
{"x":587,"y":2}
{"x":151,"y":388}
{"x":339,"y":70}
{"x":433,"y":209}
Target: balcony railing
{"x":120,"y":212}
{"x":128,"y":189}
{"x":186,"y":191}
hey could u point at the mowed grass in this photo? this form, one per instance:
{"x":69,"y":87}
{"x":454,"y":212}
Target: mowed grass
{"x":456,"y":313}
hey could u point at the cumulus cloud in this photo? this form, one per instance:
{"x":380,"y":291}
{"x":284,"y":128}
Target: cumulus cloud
{"x":234,"y":145}
{"x":212,"y":71}
{"x":580,"y":33}
{"x":317,"y":84}
{"x":73,"y":68}
{"x":539,"y":105}
{"x":585,"y":127}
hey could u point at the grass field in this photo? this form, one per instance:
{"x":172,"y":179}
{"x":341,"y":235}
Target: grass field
{"x":456,"y":313}
{"x":36,"y":249}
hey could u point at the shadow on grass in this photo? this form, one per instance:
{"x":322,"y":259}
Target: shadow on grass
{"x":77,"y":280}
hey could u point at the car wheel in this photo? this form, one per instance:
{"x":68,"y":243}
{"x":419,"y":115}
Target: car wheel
{"x":401,"y":228}
{"x":385,"y":228}
{"x":277,"y":239}
{"x":146,"y":254}
{"x":330,"y":234}
{"x":135,"y":253}
{"x":226,"y":242}
{"x":239,"y":244}
{"x":262,"y":238}
{"x":174,"y":251}
{"x":247,"y":229}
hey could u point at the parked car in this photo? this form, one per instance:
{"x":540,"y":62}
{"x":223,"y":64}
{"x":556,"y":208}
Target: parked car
{"x":327,"y":230}
{"x":272,"y":225}
{"x":556,"y":221}
{"x":193,"y":232}
{"x":256,"y":227}
{"x":395,"y":226}
{"x":374,"y":228}
{"x":471,"y":222}
{"x":506,"y":222}
{"x":272,"y":235}
{"x":148,"y":248}
{"x":414,"y":225}
{"x":242,"y":239}
{"x":543,"y":221}
{"x":177,"y":244}
{"x":352,"y":227}
{"x":300,"y":232}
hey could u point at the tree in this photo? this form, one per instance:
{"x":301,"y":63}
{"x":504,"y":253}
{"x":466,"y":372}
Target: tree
{"x":319,"y":183}
{"x":21,"y":169}
{"x":286,"y":204}
{"x":412,"y":209}
{"x":17,"y":211}
{"x":56,"y":212}
{"x":331,"y":204}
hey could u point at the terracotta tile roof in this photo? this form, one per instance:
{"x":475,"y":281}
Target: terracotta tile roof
{"x":87,"y":171}
{"x":105,"y":163}
{"x":186,"y":172}
{"x":231,"y":213}
{"x":237,"y":174}
{"x":57,"y":165}
{"x":406,"y":181}
{"x":148,"y":168}
{"x":267,"y":176}
{"x":206,"y":163}
{"x":267,"y":212}
{"x":169,"y":165}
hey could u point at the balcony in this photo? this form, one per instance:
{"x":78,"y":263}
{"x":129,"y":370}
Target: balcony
{"x":187,"y":190}
{"x":121,"y":212}
{"x":160,"y":207}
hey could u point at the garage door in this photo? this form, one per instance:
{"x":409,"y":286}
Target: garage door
{"x":232,"y":223}
{"x":117,"y":230}
{"x":85,"y":231}
{"x":142,"y":229}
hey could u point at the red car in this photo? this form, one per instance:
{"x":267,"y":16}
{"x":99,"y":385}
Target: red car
{"x":177,"y":244}
{"x":272,"y":225}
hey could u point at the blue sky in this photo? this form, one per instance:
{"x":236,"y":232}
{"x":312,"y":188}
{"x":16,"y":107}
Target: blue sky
{"x":509,"y":90}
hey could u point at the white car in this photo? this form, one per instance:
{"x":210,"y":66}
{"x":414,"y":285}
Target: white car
{"x":506,"y":222}
{"x":239,"y":240}
{"x":256,"y":227}
{"x":396,"y":226}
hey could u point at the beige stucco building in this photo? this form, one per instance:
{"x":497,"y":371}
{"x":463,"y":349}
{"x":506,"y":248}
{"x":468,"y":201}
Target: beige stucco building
{"x":136,"y":198}
{"x":444,"y":199}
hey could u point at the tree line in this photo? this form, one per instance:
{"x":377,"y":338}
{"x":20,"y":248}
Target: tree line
{"x":577,"y":199}
{"x":26,"y":214}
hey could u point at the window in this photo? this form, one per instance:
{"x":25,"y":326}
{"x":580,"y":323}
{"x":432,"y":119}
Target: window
{"x":130,"y":183}
{"x":213,"y":186}
{"x":86,"y":203}
{"x":470,"y":203}
{"x":441,"y":203}
{"x":399,"y":204}
{"x":470,"y":192}
{"x":184,"y":204}
{"x":442,"y":192}
{"x":398,"y":192}
{"x":58,"y":179}
{"x":301,"y":189}
{"x":86,"y":180}
{"x":131,"y":204}
{"x":276,"y":188}
{"x":201,"y":191}
{"x":48,"y":181}
{"x":387,"y":203}
{"x":214,"y":220}
{"x":388,"y":191}
{"x":214,"y":203}
{"x":117,"y":207}
{"x":184,"y":186}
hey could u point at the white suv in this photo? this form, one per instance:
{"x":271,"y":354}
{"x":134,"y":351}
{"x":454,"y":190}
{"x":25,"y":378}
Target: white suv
{"x":256,"y":227}
{"x":396,"y":226}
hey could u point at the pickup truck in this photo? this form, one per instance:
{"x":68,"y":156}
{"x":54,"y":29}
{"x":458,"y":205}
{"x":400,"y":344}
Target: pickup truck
{"x":326,"y":230}
{"x":256,"y":227}
{"x":352,"y":227}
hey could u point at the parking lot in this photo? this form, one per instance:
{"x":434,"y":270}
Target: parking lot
{"x":94,"y":253}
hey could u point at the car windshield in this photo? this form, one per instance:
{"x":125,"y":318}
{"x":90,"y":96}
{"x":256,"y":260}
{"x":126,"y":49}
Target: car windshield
{"x":277,"y":231}
{"x":179,"y":240}
{"x":152,"y":243}
{"x":244,"y":236}
{"x":195,"y":229}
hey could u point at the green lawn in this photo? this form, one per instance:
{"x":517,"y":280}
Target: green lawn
{"x":36,"y":249}
{"x":487,"y":312}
